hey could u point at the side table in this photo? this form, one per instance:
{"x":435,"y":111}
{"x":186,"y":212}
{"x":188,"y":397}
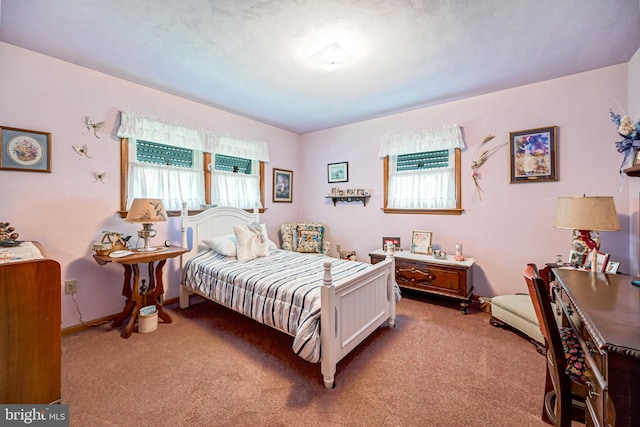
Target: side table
{"x":136,"y":299}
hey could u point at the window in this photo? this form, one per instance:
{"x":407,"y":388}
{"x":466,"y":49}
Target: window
{"x":422,"y":171}
{"x":174,"y":163}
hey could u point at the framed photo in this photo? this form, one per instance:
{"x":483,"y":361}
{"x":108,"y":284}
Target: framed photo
{"x":351,"y":191}
{"x":636,"y":157}
{"x":601,"y":261}
{"x":421,"y":241}
{"x":394,"y":240}
{"x":576,"y":259}
{"x":338,"y":172}
{"x":533,"y":155}
{"x":25,"y":150}
{"x":612,"y":267}
{"x":282,"y":185}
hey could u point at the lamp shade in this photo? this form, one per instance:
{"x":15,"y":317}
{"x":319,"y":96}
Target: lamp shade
{"x":594,"y":213}
{"x":146,"y":211}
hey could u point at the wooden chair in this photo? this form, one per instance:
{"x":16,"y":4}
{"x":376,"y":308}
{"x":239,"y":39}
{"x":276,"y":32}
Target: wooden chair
{"x":565,"y":388}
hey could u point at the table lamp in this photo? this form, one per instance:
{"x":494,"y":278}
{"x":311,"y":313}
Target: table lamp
{"x":586,"y":216}
{"x":147,"y":212}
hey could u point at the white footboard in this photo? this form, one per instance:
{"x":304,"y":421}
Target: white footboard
{"x":352,"y":310}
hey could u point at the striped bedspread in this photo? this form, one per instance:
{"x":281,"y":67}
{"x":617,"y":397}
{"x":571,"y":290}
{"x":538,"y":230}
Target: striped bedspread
{"x":281,"y":290}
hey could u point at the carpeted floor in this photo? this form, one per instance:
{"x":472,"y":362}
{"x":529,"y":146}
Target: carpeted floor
{"x":214,"y":367}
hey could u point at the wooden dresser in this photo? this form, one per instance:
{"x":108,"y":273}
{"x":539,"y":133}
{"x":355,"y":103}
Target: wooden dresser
{"x":424,"y":273}
{"x":609,"y":334}
{"x":30,"y":325}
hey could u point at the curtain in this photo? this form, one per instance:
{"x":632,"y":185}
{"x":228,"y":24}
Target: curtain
{"x":137,"y":126}
{"x":172,"y":184}
{"x":442,"y":138}
{"x":236,"y":190}
{"x":422,"y":189}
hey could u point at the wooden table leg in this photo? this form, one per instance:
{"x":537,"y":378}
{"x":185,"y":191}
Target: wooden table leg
{"x":156,"y":287}
{"x":136,"y":299}
{"x":126,"y":292}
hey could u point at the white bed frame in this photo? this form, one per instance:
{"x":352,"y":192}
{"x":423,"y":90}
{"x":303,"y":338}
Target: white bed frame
{"x":351,"y":310}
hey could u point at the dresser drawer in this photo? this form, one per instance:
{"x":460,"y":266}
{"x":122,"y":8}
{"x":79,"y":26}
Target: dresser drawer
{"x":431,"y":278}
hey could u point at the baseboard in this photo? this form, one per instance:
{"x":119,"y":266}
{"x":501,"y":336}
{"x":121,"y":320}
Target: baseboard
{"x":86,"y":325}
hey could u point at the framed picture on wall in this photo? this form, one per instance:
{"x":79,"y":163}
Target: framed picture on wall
{"x":533,"y":155}
{"x":338,"y":172}
{"x":282,"y":185}
{"x":25,"y":150}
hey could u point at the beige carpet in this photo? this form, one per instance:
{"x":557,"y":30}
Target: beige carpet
{"x":214,"y":367}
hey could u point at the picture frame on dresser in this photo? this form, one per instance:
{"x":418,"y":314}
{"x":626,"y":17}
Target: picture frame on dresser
{"x":421,"y":241}
{"x":25,"y":150}
{"x":394,"y":240}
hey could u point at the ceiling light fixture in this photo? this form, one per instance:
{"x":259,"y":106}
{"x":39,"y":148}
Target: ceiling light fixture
{"x":332,"y":57}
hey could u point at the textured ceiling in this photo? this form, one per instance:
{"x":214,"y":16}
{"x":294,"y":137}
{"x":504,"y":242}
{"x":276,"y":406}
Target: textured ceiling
{"x":254,"y":57}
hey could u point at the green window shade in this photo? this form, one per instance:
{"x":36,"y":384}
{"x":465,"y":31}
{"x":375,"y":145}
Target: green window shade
{"x":151,"y":152}
{"x":427,"y":160}
{"x":232,"y":164}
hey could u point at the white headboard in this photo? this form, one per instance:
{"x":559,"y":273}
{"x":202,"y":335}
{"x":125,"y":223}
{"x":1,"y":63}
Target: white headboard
{"x":210,"y":223}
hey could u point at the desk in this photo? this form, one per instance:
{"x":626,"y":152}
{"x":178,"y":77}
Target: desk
{"x":609,"y":309}
{"x":137,"y":298}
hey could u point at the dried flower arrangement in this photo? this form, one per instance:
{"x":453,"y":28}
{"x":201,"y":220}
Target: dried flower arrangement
{"x":480,"y":160}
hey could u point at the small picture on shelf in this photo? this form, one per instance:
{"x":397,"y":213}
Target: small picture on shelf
{"x":361,"y":192}
{"x":351,"y":191}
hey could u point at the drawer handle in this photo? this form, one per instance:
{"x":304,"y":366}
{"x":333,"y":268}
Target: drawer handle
{"x":592,"y":390}
{"x":590,"y":347}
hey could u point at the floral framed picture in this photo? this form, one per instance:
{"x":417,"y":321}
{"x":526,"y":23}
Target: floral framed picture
{"x":421,"y":242}
{"x":282,"y":185}
{"x":394,"y":240}
{"x":533,"y":155}
{"x":338,"y":172}
{"x":25,"y":150}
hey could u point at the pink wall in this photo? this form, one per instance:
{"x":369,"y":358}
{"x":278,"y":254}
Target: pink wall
{"x":65,"y":210}
{"x":512,"y":225}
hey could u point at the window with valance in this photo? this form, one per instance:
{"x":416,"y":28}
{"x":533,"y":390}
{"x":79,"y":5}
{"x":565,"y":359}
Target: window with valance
{"x":422,"y":171}
{"x":176,"y":163}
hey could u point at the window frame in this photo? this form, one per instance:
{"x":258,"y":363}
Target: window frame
{"x":447,"y":211}
{"x":207,"y":158}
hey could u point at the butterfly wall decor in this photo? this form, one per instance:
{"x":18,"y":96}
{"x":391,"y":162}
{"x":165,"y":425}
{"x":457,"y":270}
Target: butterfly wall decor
{"x":93,"y":127}
{"x":82,"y":151}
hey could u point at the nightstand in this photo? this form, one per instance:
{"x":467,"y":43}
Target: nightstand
{"x":424,"y":273}
{"x":131,"y":287}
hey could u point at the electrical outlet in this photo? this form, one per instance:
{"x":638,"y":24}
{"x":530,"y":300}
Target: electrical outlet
{"x":70,"y":287}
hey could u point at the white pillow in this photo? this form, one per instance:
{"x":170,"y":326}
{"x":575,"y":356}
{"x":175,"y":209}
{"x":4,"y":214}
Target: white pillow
{"x":225,"y":245}
{"x":270,"y":243}
{"x":252,"y":242}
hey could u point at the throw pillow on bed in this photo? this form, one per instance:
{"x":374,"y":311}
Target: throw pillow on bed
{"x":252,"y":242}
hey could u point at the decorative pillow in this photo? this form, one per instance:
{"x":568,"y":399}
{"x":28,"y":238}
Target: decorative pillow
{"x":225,"y":245}
{"x":252,"y":243}
{"x":270,"y":243}
{"x":310,"y":238}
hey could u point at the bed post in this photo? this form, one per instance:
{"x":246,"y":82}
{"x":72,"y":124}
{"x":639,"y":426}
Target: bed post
{"x":391,"y":291}
{"x":328,"y":328}
{"x":256,"y":213}
{"x":184,"y":226}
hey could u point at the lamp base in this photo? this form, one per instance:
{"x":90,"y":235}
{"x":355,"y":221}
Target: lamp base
{"x":146,"y":234}
{"x":585,"y":241}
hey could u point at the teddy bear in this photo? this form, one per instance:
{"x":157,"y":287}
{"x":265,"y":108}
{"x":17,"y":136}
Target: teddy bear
{"x":6,"y":232}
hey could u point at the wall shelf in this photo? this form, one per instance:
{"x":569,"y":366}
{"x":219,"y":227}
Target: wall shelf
{"x":336,"y":199}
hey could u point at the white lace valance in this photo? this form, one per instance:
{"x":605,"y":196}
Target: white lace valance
{"x":237,"y":147}
{"x":442,"y":138}
{"x":135,"y":125}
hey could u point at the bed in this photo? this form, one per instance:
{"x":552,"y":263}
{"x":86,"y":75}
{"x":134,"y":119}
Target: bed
{"x":327,"y":304}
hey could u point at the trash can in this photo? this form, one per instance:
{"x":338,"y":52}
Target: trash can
{"x":148,"y":319}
